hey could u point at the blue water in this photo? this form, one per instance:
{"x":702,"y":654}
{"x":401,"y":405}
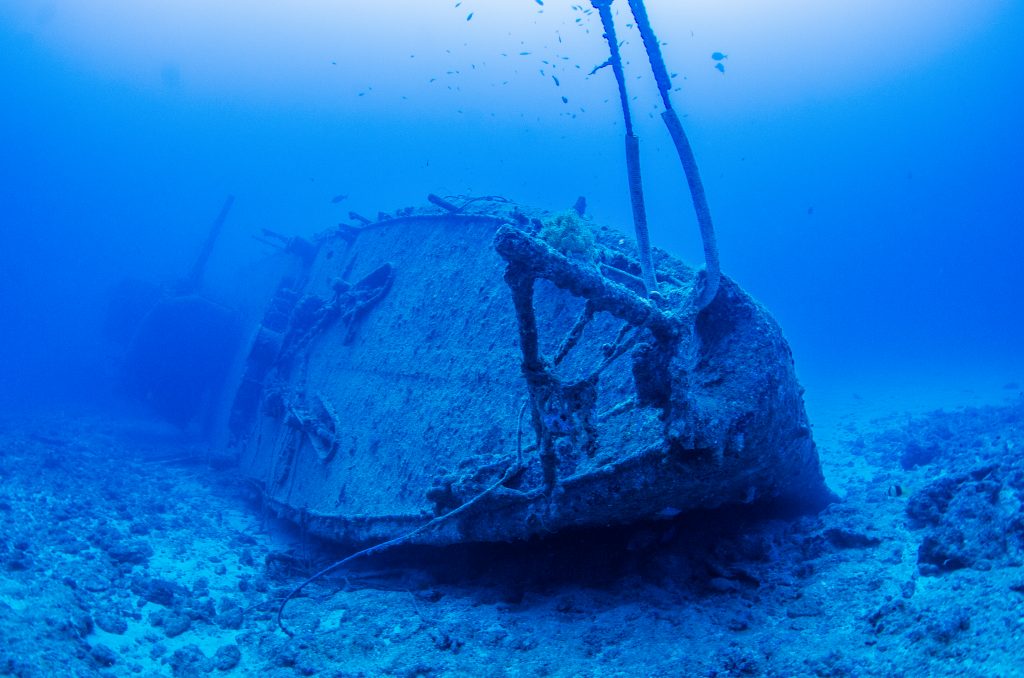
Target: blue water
{"x":863,"y":165}
{"x":864,"y":162}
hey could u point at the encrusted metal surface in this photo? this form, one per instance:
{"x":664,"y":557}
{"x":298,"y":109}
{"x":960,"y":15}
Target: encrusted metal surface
{"x":427,"y":356}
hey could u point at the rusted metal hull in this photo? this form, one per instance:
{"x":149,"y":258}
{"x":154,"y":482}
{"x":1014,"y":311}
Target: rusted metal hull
{"x":424,"y":357}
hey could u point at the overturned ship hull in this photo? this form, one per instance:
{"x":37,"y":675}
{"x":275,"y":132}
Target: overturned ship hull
{"x":450,"y":357}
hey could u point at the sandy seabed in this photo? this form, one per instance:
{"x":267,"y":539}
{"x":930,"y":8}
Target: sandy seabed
{"x":123,"y":553}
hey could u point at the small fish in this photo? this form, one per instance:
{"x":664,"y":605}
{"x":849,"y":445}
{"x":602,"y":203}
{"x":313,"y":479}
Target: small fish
{"x":720,"y":68}
{"x":565,"y":100}
{"x":338,"y":198}
{"x":557,"y":84}
{"x":718,"y":56}
{"x":469,"y":17}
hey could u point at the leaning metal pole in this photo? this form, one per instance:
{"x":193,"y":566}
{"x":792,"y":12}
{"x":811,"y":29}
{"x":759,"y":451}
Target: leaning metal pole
{"x":675,"y":129}
{"x":636,"y":191}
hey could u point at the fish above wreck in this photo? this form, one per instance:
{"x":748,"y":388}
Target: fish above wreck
{"x":503,"y":365}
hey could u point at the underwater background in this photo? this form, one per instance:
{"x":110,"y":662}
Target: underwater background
{"x":864,"y":164}
{"x":862,"y":160}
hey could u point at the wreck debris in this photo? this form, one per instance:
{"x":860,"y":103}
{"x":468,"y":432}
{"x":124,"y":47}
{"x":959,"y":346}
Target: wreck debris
{"x":442,"y":203}
{"x":530,"y":258}
{"x":634,"y":403}
{"x":564,"y":413}
{"x":361,"y":297}
{"x":320,"y":425}
{"x":302,"y":248}
{"x":350,"y":303}
{"x":573,"y":337}
{"x":195,"y":278}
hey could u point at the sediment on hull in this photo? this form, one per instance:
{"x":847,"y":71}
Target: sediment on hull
{"x":429,"y":355}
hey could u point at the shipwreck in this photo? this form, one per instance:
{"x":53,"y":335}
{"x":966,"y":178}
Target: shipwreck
{"x":475,"y":370}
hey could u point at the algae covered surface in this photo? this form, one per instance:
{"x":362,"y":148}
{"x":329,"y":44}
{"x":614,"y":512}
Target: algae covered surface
{"x":125,"y":553}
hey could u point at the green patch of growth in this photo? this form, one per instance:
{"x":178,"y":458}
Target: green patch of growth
{"x":571,"y":235}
